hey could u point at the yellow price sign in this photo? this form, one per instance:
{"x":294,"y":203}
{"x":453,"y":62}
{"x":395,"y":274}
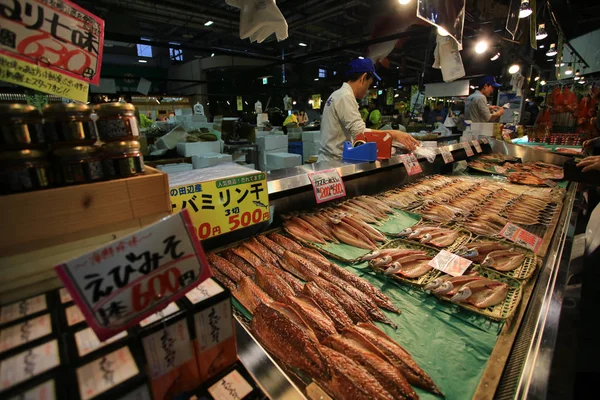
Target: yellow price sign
{"x":224,"y":205}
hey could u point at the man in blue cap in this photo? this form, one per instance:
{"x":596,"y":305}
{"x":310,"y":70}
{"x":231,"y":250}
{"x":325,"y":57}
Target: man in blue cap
{"x":342,"y":121}
{"x":476,"y":106}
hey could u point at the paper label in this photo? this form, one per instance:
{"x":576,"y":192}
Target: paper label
{"x":29,"y":364}
{"x":477,"y":146}
{"x":232,"y":387}
{"x":168,"y":348}
{"x":327,"y":185}
{"x":450,"y":263}
{"x":23,"y":308}
{"x":87,"y":342}
{"x":74,"y":315}
{"x":65,"y":296}
{"x":25,"y":332}
{"x":168,"y":310}
{"x":468,"y":149}
{"x":411,"y":163}
{"x":520,"y":236}
{"x":106,"y":373}
{"x":124,"y":282}
{"x":45,"y":391}
{"x":213,"y":325}
{"x":446,"y":154}
{"x":485,"y":140}
{"x":499,"y":169}
{"x":203,"y":291}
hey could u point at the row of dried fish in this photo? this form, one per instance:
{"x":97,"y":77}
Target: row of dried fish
{"x":406,"y":263}
{"x":472,"y":288}
{"x":496,"y":255}
{"x":433,"y":235}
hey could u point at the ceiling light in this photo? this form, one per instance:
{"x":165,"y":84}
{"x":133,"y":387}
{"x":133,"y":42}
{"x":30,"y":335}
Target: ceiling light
{"x":397,"y":95}
{"x":361,"y":58}
{"x":581,"y":81}
{"x":443,"y":32}
{"x":552,"y":50}
{"x":542,"y":82}
{"x":228,"y":102}
{"x":472,"y":87}
{"x":142,"y":61}
{"x":302,"y":44}
{"x":541,"y":46}
{"x":212,"y":55}
{"x":514,"y":69}
{"x":404,"y":2}
{"x":537,"y":78}
{"x":481,"y":47}
{"x":569,"y":70}
{"x":532,"y":89}
{"x":577,"y":78}
{"x":525,"y":10}
{"x":316,"y":79}
{"x":577,"y":73}
{"x":294,"y":102}
{"x":557,"y":65}
{"x":497,"y":56}
{"x":541,"y":32}
{"x":208,"y":23}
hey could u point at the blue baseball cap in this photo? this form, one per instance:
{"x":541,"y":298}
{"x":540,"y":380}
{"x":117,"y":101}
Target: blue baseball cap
{"x":362,"y":65}
{"x":489,"y":80}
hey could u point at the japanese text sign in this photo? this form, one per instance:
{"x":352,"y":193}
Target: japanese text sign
{"x":521,"y":237}
{"x":485,"y":140}
{"x":468,"y":149}
{"x":224,"y":205}
{"x":54,"y":46}
{"x":450,"y":263}
{"x":118,"y":285}
{"x":411,"y":164}
{"x":327,"y":185}
{"x":477,"y":146}
{"x":446,"y":154}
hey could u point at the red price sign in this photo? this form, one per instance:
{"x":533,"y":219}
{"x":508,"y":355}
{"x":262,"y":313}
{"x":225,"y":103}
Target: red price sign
{"x":520,"y":236}
{"x":446,"y":154}
{"x":327,"y":185}
{"x":477,"y":146}
{"x":120,"y":284}
{"x":468,"y":149}
{"x":411,"y":164}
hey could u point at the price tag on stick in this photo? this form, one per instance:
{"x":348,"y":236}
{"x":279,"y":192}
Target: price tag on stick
{"x":327,"y":185}
{"x":123,"y":282}
{"x":477,"y":146}
{"x":450,"y":263}
{"x":521,"y":237}
{"x":446,"y":154}
{"x":411,"y":163}
{"x":468,"y":149}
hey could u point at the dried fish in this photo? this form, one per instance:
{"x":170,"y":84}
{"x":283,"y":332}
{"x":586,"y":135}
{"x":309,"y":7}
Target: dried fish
{"x":271,"y":244}
{"x":299,"y":266}
{"x":273,"y":284}
{"x":285,"y":242}
{"x":504,"y":260}
{"x":225,"y":267}
{"x":482,"y":293}
{"x":248,"y":256}
{"x":354,"y":310}
{"x":328,"y":304}
{"x":313,"y":315}
{"x":314,"y":257}
{"x":261,"y":251}
{"x":250,"y":295}
{"x":239,"y":262}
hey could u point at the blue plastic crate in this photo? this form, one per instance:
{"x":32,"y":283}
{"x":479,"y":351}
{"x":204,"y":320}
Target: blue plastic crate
{"x":296,"y":148}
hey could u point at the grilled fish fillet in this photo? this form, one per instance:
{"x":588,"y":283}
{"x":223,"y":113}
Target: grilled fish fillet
{"x":314,"y":257}
{"x":354,"y":309}
{"x":273,"y":284}
{"x":250,"y":295}
{"x":285,"y":242}
{"x":248,"y":256}
{"x":261,"y":251}
{"x":313,"y":315}
{"x":225,"y":267}
{"x":239,"y":262}
{"x":328,"y":304}
{"x":271,"y":245}
{"x":299,"y":266}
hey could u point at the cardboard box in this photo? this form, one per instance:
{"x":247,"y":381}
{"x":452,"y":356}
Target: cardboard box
{"x":210,"y":160}
{"x":272,"y":142}
{"x":283,"y":160}
{"x":185,"y":149}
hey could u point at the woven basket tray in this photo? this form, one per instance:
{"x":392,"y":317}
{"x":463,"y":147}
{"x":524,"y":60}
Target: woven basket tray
{"x":500,"y":311}
{"x":463,"y":238}
{"x":524,"y":271}
{"x":409,"y":245}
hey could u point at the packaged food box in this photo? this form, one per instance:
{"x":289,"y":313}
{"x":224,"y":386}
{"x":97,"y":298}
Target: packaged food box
{"x":233,"y":383}
{"x":27,"y":308}
{"x":28,"y":333}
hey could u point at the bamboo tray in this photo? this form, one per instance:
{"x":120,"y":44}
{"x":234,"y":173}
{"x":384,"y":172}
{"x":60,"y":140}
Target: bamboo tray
{"x":463,"y":238}
{"x":524,"y":271}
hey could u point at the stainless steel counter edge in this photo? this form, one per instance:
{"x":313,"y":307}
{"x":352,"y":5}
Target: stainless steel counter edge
{"x":293,"y":178}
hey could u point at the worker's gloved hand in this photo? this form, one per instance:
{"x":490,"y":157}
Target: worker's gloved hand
{"x":590,"y":163}
{"x":406,"y":140}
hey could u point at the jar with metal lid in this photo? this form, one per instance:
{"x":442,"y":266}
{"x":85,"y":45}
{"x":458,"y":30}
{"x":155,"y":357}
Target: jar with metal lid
{"x":116,"y":121}
{"x":122,"y":159}
{"x":79,"y":164}
{"x":20,"y":127}
{"x":69,"y":123}
{"x":24,"y":170}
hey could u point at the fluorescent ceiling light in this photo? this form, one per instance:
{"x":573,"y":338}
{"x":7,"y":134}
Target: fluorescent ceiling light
{"x":497,"y":56}
{"x":302,"y":44}
{"x":212,"y":55}
{"x":361,"y":57}
{"x":316,"y":79}
{"x":142,"y":61}
{"x":175,"y":43}
{"x":472,"y":87}
{"x":208,"y":23}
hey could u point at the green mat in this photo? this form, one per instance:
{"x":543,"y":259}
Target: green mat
{"x":398,"y":222}
{"x":343,"y":251}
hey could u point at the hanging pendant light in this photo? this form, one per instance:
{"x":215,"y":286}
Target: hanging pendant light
{"x":525,"y":10}
{"x":569,"y":70}
{"x":576,"y":78}
{"x":552,"y":50}
{"x":541,"y":32}
{"x":514,"y":69}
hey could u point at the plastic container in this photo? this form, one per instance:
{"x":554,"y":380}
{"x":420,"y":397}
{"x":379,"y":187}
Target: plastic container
{"x":21,"y":127}
{"x":116,"y":121}
{"x":70,"y":124}
{"x":122,"y":159}
{"x":76,"y":165}
{"x":24,"y":170}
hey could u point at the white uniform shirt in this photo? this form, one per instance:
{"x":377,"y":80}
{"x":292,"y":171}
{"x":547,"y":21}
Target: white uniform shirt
{"x":341,"y":123}
{"x":477,"y":109}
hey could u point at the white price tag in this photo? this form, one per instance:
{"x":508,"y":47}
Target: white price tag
{"x":232,"y":387}
{"x":450,"y":263}
{"x":468,"y":149}
{"x":485,"y":140}
{"x":520,"y":236}
{"x":327,"y":185}
{"x":446,"y":154}
{"x":411,"y":163}
{"x":477,"y":146}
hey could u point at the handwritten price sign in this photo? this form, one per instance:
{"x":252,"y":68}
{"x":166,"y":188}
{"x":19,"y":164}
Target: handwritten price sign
{"x":446,"y":154}
{"x":327,"y":185}
{"x":122,"y":283}
{"x":50,"y":45}
{"x":411,"y":164}
{"x":450,"y":263}
{"x":485,"y":140}
{"x":520,"y":236}
{"x":477,"y":146}
{"x":468,"y":149}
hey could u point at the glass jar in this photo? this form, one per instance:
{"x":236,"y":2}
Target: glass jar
{"x":76,"y":165}
{"x":70,"y":124}
{"x":116,"y":121}
{"x":24,"y":170}
{"x":122,"y":159}
{"x":21,"y":127}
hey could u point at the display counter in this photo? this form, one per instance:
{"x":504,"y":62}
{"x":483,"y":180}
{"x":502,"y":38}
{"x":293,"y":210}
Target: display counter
{"x":519,"y":362}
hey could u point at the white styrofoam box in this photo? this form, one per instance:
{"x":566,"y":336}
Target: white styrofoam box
{"x":201,"y":119}
{"x":429,"y":143}
{"x":482,"y":128}
{"x":271,"y":142}
{"x":283,"y":160}
{"x":210,"y":160}
{"x":171,"y":139}
{"x":196,"y":148}
{"x":183,"y":111}
{"x":311,"y":136}
{"x":173,"y":168}
{"x":310,"y":149}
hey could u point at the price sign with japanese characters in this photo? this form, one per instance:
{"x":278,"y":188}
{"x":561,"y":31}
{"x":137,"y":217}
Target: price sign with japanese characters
{"x":411,"y":164}
{"x":224,"y":205}
{"x":520,"y":236}
{"x":120,"y":284}
{"x":53,"y":46}
{"x":485,"y":140}
{"x":477,"y":146}
{"x":468,"y":149}
{"x":327,"y":185}
{"x":446,"y":154}
{"x":450,"y":263}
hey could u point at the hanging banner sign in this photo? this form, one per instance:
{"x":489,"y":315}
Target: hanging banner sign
{"x":327,"y":185}
{"x":224,"y":205}
{"x":477,"y":146}
{"x":240,"y":104}
{"x":316,"y":98}
{"x":53,"y":46}
{"x":411,"y":164}
{"x":520,"y":236}
{"x":120,"y":284}
{"x":446,"y":154}
{"x":468,"y":149}
{"x":450,"y":263}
